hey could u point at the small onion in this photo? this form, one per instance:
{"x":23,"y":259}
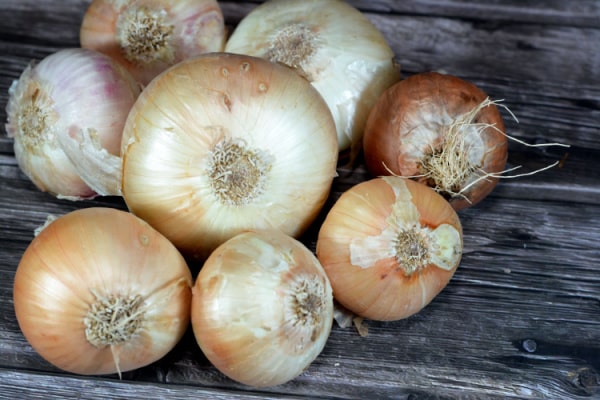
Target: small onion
{"x":262,"y":308}
{"x":389,"y":245}
{"x":223,"y":143}
{"x":66,"y":115}
{"x":148,"y":36}
{"x":99,"y":291}
{"x":440,"y":130}
{"x":333,"y":45}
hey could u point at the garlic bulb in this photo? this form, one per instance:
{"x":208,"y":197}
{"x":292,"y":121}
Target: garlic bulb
{"x":99,"y":291}
{"x":262,"y":308}
{"x":148,"y":36}
{"x":66,"y":115}
{"x":389,"y":246}
{"x":223,"y":143}
{"x":330,"y":43}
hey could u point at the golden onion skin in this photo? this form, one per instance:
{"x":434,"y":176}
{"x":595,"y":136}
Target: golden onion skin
{"x":104,"y":259}
{"x":363,"y":234}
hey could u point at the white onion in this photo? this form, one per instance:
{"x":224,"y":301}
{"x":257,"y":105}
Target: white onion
{"x":262,"y":308}
{"x":66,"y":115}
{"x":330,"y":43}
{"x":223,"y":143}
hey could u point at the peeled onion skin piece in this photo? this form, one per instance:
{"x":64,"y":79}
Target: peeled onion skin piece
{"x":355,"y":247}
{"x":412,"y":117}
{"x":262,"y":308}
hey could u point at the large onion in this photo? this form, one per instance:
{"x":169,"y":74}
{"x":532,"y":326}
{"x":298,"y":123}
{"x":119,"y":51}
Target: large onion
{"x":223,"y":143}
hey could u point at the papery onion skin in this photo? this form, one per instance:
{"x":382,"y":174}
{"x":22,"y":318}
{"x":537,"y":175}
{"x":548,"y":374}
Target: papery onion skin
{"x":108,"y":253}
{"x":410,"y":120}
{"x":181,"y":29}
{"x":356,"y":247}
{"x":70,"y":92}
{"x":201,"y":107}
{"x":345,"y":57}
{"x":262,"y":308}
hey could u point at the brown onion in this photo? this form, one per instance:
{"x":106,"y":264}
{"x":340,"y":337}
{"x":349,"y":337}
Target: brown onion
{"x":389,"y":246}
{"x":99,"y":291}
{"x":440,"y":130}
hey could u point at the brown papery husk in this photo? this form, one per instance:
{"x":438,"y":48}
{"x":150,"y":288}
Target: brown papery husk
{"x":412,"y":118}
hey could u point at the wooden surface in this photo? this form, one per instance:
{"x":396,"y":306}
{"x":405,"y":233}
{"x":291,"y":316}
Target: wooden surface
{"x":520,"y":318}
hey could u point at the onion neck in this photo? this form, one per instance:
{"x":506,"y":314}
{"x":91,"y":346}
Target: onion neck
{"x":34,"y":118}
{"x":294,"y":45}
{"x":305,"y":305}
{"x":237,"y":174}
{"x":412,"y":250}
{"x":144,"y":35}
{"x":113,"y":319}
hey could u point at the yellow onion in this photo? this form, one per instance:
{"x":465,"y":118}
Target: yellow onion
{"x":389,"y":245}
{"x":66,"y":115}
{"x":223,"y":143}
{"x":99,"y":291}
{"x":439,"y":130}
{"x":262,"y":308}
{"x":148,"y":36}
{"x":333,"y":45}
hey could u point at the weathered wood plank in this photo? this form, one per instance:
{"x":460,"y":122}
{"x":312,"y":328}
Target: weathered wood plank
{"x":17,"y":384}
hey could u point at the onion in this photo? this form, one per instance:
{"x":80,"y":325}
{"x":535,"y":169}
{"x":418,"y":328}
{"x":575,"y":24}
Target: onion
{"x":262,"y":308}
{"x":389,"y":245}
{"x":99,"y":291}
{"x":223,"y":143}
{"x":66,"y":115}
{"x":440,"y":130}
{"x":333,"y":45}
{"x":148,"y":36}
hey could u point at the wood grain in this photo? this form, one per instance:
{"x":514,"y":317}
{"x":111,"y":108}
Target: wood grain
{"x":521,"y":317}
